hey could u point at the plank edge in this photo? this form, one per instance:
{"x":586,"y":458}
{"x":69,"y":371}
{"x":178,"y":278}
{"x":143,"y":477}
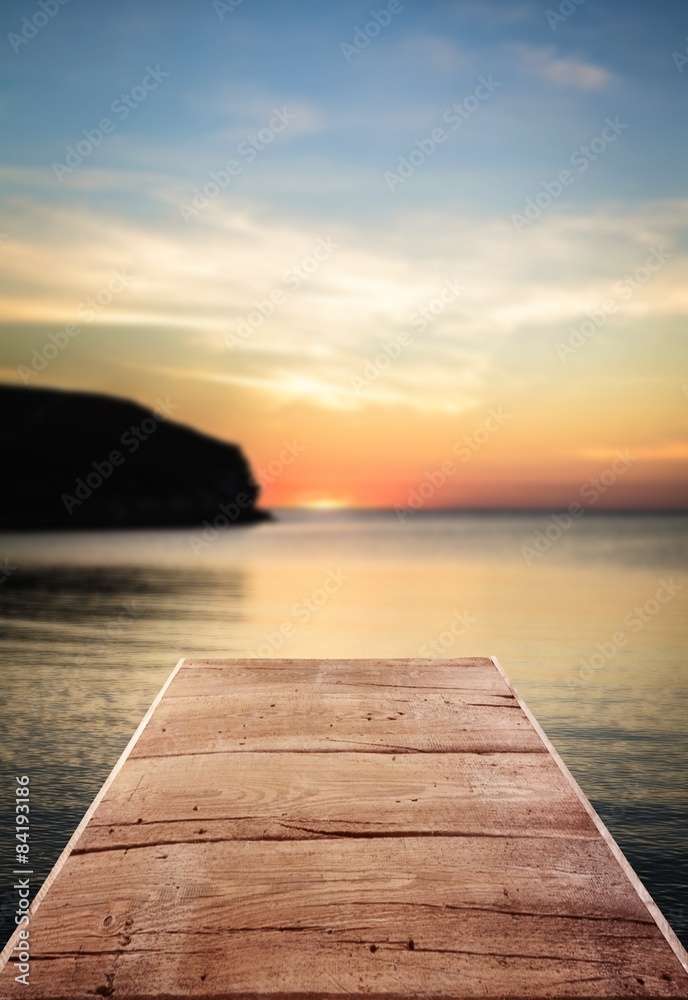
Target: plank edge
{"x":626,"y":866}
{"x":6,"y":953}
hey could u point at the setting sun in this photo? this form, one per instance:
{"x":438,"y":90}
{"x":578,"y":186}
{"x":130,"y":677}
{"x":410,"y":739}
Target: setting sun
{"x":325,"y":503}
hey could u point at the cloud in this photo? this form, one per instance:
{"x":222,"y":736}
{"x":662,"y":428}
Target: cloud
{"x":561,"y":71}
{"x":243,"y":111}
{"x":196,"y":284}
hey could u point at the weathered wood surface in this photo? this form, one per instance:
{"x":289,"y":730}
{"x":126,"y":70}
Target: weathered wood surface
{"x":341,"y":829}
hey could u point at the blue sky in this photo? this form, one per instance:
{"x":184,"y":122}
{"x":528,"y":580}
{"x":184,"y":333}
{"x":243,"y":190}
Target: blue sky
{"x":324,"y":176}
{"x":226,"y":74}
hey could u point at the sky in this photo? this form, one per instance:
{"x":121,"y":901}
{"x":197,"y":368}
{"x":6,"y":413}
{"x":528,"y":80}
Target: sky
{"x":415,"y":253}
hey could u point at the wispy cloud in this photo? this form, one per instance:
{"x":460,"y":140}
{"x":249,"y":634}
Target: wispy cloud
{"x":202,"y":283}
{"x":562,"y":71}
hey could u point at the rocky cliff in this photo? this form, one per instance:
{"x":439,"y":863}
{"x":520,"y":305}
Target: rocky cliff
{"x":81,"y":460}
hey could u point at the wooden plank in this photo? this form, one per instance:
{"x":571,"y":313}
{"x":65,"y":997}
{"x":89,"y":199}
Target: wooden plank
{"x":471,"y":675}
{"x":314,"y":910}
{"x":251,"y":843}
{"x":334,"y":723}
{"x":267,"y":708}
{"x":238,"y":796}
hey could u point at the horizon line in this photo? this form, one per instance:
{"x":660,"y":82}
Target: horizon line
{"x":344,"y":508}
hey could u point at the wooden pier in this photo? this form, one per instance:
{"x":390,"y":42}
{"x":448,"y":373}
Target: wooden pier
{"x":343,"y":829}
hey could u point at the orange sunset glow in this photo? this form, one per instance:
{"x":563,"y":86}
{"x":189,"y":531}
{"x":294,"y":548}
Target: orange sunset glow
{"x":361,"y":289}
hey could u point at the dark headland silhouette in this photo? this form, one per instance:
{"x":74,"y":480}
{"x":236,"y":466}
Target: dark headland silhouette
{"x":84,"y":460}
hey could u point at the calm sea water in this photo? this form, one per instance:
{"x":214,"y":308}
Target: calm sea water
{"x":592,"y":631}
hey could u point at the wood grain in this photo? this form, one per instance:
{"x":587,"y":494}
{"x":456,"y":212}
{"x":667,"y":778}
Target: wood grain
{"x":340,"y":829}
{"x":245,"y":796}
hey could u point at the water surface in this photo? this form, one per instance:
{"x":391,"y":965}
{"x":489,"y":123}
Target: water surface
{"x":91,"y":624}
